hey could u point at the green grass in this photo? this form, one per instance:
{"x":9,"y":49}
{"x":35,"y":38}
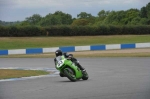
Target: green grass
{"x":12,"y":73}
{"x":44,"y":42}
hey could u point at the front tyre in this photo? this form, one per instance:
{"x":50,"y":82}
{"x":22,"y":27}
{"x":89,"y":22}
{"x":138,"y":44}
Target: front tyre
{"x":70,"y":74}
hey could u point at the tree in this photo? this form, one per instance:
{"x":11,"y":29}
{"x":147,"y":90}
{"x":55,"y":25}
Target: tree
{"x":110,"y":18}
{"x":34,"y":19}
{"x":84,"y":15}
{"x":144,"y":21}
{"x":103,"y":13}
{"x":148,"y":10}
{"x":132,"y":13}
{"x":65,"y":18}
{"x":58,"y":18}
{"x":3,"y":23}
{"x":82,"y":22}
{"x":143,"y":12}
{"x":135,"y":21}
{"x":24,"y":23}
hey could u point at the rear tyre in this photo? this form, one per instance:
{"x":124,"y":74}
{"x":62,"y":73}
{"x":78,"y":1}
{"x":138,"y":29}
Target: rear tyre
{"x":70,"y":74}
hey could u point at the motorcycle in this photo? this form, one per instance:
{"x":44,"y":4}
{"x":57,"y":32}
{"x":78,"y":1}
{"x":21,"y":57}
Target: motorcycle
{"x":69,"y":69}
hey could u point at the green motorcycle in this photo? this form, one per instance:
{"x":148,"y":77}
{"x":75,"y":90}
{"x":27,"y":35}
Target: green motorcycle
{"x":69,"y":69}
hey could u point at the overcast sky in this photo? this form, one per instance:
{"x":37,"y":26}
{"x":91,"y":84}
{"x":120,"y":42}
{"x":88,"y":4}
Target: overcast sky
{"x":18,"y":10}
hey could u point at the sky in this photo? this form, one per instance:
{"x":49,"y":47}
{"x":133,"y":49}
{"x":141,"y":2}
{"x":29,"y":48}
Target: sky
{"x":19,"y":10}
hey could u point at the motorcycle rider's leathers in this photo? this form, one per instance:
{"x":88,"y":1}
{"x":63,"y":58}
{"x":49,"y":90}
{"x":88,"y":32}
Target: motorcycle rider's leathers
{"x":74,"y":60}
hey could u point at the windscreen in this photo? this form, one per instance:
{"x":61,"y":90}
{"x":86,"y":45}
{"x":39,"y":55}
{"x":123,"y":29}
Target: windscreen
{"x":58,"y":58}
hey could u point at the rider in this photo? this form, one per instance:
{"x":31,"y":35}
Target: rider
{"x":68,"y":56}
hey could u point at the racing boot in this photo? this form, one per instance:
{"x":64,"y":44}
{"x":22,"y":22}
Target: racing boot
{"x":81,"y":68}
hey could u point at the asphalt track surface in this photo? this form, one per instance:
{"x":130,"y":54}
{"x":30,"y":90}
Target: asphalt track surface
{"x":109,"y":78}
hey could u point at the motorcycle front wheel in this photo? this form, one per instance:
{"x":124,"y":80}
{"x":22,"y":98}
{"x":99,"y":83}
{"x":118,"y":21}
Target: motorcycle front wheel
{"x":70,"y":74}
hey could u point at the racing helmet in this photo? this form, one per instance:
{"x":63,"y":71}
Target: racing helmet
{"x":58,"y":52}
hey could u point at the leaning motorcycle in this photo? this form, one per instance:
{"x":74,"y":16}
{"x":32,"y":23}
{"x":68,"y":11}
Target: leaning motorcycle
{"x":69,"y":69}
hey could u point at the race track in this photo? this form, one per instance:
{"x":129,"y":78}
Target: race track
{"x":109,"y":78}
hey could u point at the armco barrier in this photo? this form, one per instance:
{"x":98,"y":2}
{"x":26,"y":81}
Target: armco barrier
{"x":75,"y":48}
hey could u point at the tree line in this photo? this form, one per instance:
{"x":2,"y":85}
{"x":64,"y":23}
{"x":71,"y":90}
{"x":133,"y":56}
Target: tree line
{"x":132,"y":21}
{"x":127,"y":17}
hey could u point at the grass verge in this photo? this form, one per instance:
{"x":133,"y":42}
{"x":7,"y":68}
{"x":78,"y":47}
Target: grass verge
{"x":46,"y":42}
{"x":12,"y":73}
